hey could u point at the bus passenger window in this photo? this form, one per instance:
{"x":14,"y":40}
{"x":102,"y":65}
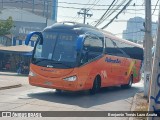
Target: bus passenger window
{"x":93,"y":47}
{"x":109,"y":47}
{"x":112,"y":48}
{"x":84,"y":54}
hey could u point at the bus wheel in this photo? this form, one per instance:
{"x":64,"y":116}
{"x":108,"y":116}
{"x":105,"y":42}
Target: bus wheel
{"x":58,"y":90}
{"x":129,"y":85}
{"x":96,"y":86}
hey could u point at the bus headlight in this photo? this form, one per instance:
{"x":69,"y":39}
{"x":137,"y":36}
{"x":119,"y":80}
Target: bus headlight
{"x":72,"y":78}
{"x":32,"y":74}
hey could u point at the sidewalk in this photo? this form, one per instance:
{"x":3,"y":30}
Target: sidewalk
{"x":9,"y":80}
{"x":139,"y":104}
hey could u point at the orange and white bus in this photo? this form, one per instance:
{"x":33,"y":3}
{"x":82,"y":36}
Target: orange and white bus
{"x":74,"y":57}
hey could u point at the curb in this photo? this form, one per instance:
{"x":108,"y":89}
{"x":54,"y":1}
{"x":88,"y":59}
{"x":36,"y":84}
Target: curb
{"x":19,"y":75}
{"x":10,"y":87}
{"x":133,"y":102}
{"x":133,"y":106}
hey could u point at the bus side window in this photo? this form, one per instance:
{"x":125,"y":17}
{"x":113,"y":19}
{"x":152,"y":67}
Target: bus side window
{"x":93,"y":47}
{"x":122,"y":47}
{"x":96,"y":47}
{"x":112,"y":48}
{"x":109,"y":47}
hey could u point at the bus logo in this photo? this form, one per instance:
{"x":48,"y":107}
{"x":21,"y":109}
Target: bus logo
{"x":110,"y":60}
{"x":49,"y":66}
{"x":46,"y":70}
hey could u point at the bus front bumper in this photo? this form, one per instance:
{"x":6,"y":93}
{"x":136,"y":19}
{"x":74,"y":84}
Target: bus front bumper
{"x":55,"y":83}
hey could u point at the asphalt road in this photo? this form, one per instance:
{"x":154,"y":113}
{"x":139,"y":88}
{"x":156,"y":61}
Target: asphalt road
{"x":29,"y":98}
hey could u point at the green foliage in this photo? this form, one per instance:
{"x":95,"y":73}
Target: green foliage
{"x":5,"y":26}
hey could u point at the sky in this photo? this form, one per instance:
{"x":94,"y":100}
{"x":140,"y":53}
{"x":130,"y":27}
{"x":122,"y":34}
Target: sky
{"x":118,"y":25}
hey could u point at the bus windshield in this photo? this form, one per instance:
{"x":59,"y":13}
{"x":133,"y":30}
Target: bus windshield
{"x":56,"y":47}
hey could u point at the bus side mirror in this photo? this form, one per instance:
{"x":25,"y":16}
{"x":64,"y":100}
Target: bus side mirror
{"x":31,"y":34}
{"x":79,"y":45}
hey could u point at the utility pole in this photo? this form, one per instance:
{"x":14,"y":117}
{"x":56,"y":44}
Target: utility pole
{"x":154,"y":101}
{"x":84,"y":13}
{"x":147,"y":48}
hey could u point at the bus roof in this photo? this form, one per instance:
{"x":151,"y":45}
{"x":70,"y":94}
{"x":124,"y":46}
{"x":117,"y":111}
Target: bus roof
{"x":111,"y":36}
{"x":84,"y":27}
{"x":69,"y":25}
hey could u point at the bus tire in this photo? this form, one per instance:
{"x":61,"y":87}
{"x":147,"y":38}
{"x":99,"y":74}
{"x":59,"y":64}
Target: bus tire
{"x":96,"y":86}
{"x":58,"y":90}
{"x":129,"y":85}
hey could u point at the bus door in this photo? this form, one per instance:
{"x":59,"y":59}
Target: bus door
{"x":90,"y":56}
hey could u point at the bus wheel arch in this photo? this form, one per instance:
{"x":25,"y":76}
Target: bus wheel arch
{"x":96,"y":85}
{"x":130,"y":82}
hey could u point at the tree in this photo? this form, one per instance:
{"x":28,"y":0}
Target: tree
{"x":5,"y":26}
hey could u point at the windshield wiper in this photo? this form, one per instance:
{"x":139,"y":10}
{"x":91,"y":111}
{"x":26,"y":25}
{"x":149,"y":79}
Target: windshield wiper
{"x":40,"y":60}
{"x":52,"y":61}
{"x":57,"y":62}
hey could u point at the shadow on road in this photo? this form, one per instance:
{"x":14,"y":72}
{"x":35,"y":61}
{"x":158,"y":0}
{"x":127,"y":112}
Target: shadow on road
{"x":83,"y":99}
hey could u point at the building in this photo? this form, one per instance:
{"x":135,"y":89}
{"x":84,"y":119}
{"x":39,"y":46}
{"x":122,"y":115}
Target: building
{"x":135,"y":29}
{"x":26,"y":18}
{"x":6,"y":40}
{"x":45,"y":8}
{"x":28,"y":15}
{"x":24,"y":22}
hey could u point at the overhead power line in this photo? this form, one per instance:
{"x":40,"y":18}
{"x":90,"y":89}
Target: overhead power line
{"x":105,"y":13}
{"x":83,"y":5}
{"x":93,"y":4}
{"x":69,"y":3}
{"x":111,"y":13}
{"x":155,"y":7}
{"x":77,"y":15}
{"x":98,"y":9}
{"x":118,"y":14}
{"x":84,"y":13}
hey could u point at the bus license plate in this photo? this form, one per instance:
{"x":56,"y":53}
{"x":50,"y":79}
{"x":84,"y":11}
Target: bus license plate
{"x":48,"y":83}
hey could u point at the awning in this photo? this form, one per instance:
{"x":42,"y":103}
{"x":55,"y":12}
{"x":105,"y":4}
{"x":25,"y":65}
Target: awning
{"x":22,"y":49}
